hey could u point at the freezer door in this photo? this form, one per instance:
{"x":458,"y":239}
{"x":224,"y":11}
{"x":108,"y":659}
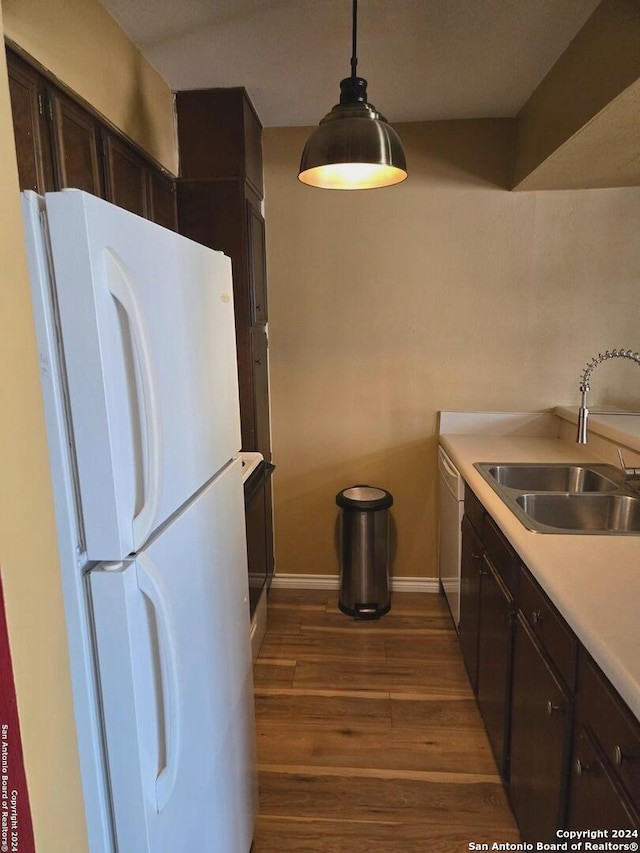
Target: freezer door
{"x":174,"y":660}
{"x":148,"y":335}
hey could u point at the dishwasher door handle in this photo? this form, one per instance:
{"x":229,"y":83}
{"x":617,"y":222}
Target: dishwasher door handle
{"x":450,"y":476}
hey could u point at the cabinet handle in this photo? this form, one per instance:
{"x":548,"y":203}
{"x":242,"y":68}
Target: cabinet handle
{"x":258,"y":307}
{"x":258,"y":361}
{"x":537,"y":617}
{"x":554,"y":709}
{"x":486,"y":565}
{"x":581,"y":769}
{"x":619,"y":756}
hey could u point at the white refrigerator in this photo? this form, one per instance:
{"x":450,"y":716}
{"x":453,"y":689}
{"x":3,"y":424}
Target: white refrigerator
{"x":136,"y":339}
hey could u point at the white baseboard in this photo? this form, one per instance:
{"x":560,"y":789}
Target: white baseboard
{"x":291,"y":581}
{"x":415,"y":585}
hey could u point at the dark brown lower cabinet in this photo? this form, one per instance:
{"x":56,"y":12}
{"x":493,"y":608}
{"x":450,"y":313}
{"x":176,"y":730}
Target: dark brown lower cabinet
{"x":566,"y":744}
{"x":255,"y":512}
{"x":595,"y":800}
{"x":604,"y":790}
{"x":271,"y":561}
{"x":494,"y":661}
{"x":257,"y":507}
{"x":470,"y":574}
{"x":540,"y":733}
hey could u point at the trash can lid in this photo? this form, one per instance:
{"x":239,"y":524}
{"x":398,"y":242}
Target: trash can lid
{"x":364,"y":498}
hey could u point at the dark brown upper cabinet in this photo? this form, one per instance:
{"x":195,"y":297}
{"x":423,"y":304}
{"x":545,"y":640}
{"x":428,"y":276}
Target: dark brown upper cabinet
{"x":219,"y":200}
{"x":219,"y":195}
{"x":61,"y":142}
{"x":133,"y":185}
{"x":126,"y":176}
{"x":219,"y":136}
{"x":217,"y":214}
{"x":260,"y":374}
{"x":31,"y":127}
{"x":77,"y":146}
{"x":257,"y":265}
{"x":162,"y":199}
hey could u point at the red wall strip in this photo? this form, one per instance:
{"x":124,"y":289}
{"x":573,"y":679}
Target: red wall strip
{"x":16,"y":831}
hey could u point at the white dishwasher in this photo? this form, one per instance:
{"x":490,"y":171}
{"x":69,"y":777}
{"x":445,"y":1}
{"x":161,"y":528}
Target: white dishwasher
{"x":451,"y":493}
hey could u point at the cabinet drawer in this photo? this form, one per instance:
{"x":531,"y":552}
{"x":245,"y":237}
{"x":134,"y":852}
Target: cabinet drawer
{"x":595,"y":801}
{"x":502,"y":555}
{"x":549,"y":627}
{"x":473,"y":509}
{"x":615,"y":728}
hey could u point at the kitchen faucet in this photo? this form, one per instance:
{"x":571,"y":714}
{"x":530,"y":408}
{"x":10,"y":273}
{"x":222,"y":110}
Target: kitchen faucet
{"x":583,"y":414}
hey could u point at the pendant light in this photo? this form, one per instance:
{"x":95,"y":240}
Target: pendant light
{"x":354,"y":147}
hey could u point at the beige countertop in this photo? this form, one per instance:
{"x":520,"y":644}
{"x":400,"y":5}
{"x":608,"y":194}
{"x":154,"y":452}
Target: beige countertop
{"x":594,"y":580}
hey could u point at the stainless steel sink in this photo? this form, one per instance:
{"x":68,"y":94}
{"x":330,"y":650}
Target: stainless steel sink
{"x":566,"y":498}
{"x":583,"y":513}
{"x":553,"y":478}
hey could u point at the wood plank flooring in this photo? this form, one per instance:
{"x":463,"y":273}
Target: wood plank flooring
{"x":369,"y":738}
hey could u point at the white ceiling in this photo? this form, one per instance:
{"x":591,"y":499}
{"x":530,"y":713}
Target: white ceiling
{"x":424,"y":59}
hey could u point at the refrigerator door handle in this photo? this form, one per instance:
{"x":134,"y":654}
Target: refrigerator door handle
{"x":170,"y":689}
{"x":123,"y":292}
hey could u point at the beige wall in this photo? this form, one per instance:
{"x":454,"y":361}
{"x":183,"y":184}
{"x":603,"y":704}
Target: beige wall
{"x":82,"y":46}
{"x":446,"y":292}
{"x":28,"y":548}
{"x":79,"y":42}
{"x":580,"y":127}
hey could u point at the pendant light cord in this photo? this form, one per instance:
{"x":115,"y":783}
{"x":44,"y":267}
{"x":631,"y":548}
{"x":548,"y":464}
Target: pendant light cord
{"x":354,"y":58}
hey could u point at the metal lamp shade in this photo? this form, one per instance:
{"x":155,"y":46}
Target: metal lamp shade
{"x":353,"y":148}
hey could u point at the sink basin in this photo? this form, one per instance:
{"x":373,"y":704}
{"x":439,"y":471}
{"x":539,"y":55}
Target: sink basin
{"x":583,"y":513}
{"x":552,"y":478}
{"x":573,"y":497}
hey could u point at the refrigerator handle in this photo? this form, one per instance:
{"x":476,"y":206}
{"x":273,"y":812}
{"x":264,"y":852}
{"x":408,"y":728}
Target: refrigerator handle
{"x":123,"y":292}
{"x":170,"y":689}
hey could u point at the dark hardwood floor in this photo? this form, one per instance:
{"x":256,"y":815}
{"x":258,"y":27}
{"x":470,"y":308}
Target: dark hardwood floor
{"x":369,"y":738}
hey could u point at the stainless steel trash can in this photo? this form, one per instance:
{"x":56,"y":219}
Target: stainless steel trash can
{"x":364,"y":551}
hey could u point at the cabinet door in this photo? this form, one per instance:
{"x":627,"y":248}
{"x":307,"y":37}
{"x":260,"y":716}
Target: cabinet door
{"x":257,"y":265}
{"x":257,"y":544}
{"x":76,"y":146}
{"x":269,"y":512}
{"x":162,"y":199}
{"x":31,"y":128}
{"x":219,"y":136}
{"x":494,"y":661}
{"x":126,"y":175}
{"x":471,"y":566}
{"x":540,"y":723}
{"x":594,"y":801}
{"x":259,"y":356}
